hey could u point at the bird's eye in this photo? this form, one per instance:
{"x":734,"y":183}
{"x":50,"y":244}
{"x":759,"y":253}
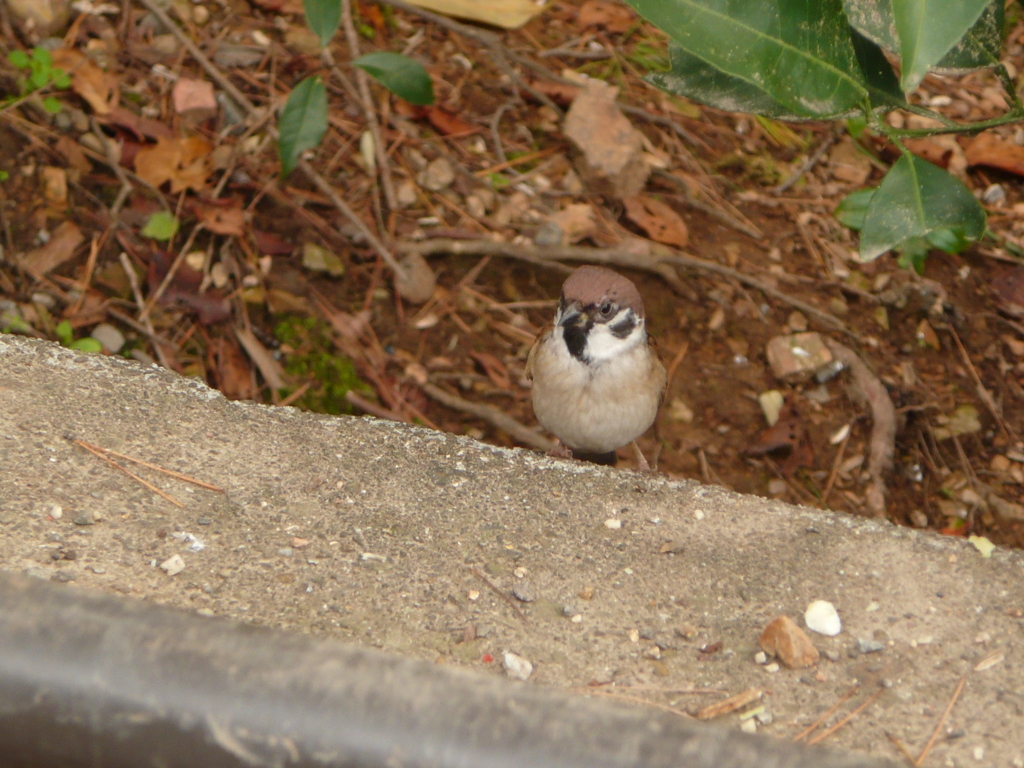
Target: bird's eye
{"x":606,"y":309}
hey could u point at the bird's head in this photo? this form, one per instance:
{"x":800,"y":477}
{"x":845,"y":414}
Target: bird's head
{"x":600,"y":315}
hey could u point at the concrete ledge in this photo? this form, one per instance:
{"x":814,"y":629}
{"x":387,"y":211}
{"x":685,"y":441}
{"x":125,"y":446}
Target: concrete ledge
{"x":396,"y":517}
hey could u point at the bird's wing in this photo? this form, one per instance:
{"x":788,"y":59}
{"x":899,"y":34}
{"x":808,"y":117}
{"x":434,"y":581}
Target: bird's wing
{"x":533,"y":350}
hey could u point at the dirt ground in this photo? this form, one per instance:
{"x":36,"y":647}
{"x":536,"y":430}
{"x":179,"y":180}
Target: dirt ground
{"x":944,"y":343}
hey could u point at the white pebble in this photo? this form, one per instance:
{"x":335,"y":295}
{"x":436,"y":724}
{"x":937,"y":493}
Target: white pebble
{"x":173,"y":565}
{"x":821,"y":617}
{"x":613,"y":524}
{"x":760,"y":657}
{"x":516,"y":666}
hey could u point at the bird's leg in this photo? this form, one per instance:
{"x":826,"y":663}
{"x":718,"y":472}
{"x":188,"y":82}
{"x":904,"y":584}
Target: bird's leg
{"x":641,"y":461}
{"x":560,"y":451}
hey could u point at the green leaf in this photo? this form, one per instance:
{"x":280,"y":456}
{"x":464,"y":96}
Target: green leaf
{"x":60,"y":78}
{"x":980,"y":47}
{"x":323,"y":17}
{"x":161,"y":226}
{"x":4,"y":176}
{"x":303,"y":122}
{"x":18,"y":59}
{"x":52,"y":105}
{"x":854,"y":207}
{"x":42,"y":57}
{"x":64,"y":332}
{"x":798,"y":52}
{"x":927,"y":30}
{"x":86,"y":344}
{"x":38,"y":78}
{"x":696,"y":79}
{"x":404,"y":77}
{"x":916,"y":199}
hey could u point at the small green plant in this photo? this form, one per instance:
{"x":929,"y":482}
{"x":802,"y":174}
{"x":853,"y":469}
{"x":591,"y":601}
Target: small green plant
{"x":335,"y":375}
{"x":827,"y":59}
{"x":40,"y":74}
{"x":303,"y":120}
{"x":4,"y":176}
{"x":66,"y":336}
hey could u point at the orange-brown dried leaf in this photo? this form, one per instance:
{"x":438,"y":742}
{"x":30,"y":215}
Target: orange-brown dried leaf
{"x":658,"y":220}
{"x":448,"y":123}
{"x":991,"y":150}
{"x":142,"y":127}
{"x":281,"y":6}
{"x":221,"y":218}
{"x":561,"y":93}
{"x":100,"y":89}
{"x":59,"y":248}
{"x":184,"y":162}
{"x":788,"y":433}
{"x":230,"y":369}
{"x":930,"y":150}
{"x":602,"y":13}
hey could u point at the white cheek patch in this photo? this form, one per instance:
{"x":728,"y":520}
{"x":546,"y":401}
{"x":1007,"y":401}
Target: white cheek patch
{"x":603,"y":344}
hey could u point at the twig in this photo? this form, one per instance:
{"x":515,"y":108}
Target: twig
{"x":942,"y":721}
{"x":902,"y":748}
{"x":828,"y":713}
{"x":743,"y":226}
{"x":868,"y":387}
{"x":654,"y":261}
{"x":633,"y":699}
{"x":809,"y":163}
{"x":490,"y":414}
{"x":362,"y":80}
{"x":99,"y":452}
{"x":835,"y":471}
{"x":984,"y":394}
{"x":826,"y":733}
{"x":372,"y":408}
{"x":171,"y":472}
{"x":480,"y":575}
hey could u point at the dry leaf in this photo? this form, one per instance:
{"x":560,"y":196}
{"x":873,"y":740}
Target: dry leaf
{"x":576,"y":221}
{"x":508,"y":14}
{"x":602,"y":13}
{"x":100,"y":89}
{"x":230,"y":369}
{"x":448,"y":123}
{"x":658,"y":220}
{"x":59,"y":248}
{"x":183,"y":162}
{"x":989,"y":149}
{"x":222,"y":217}
{"x":142,"y":127}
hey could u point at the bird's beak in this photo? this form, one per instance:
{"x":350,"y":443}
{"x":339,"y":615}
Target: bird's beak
{"x":570,"y":314}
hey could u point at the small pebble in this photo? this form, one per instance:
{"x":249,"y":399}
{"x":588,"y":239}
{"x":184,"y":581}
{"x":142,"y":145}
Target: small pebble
{"x":869,"y":646}
{"x":438,"y":174}
{"x":821,"y":617}
{"x":772,"y":668}
{"x":516,"y":666}
{"x":749,"y":726}
{"x":760,"y":657}
{"x":613,"y":524}
{"x":173,"y":565}
{"x":286,"y":551}
{"x":63,"y":576}
{"x":84,"y":517}
{"x":524,"y":593}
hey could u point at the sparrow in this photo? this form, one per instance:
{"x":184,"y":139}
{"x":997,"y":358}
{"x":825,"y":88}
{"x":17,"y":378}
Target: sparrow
{"x":597,"y":379}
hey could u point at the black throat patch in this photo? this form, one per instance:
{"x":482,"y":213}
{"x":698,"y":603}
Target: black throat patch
{"x":576,"y":339}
